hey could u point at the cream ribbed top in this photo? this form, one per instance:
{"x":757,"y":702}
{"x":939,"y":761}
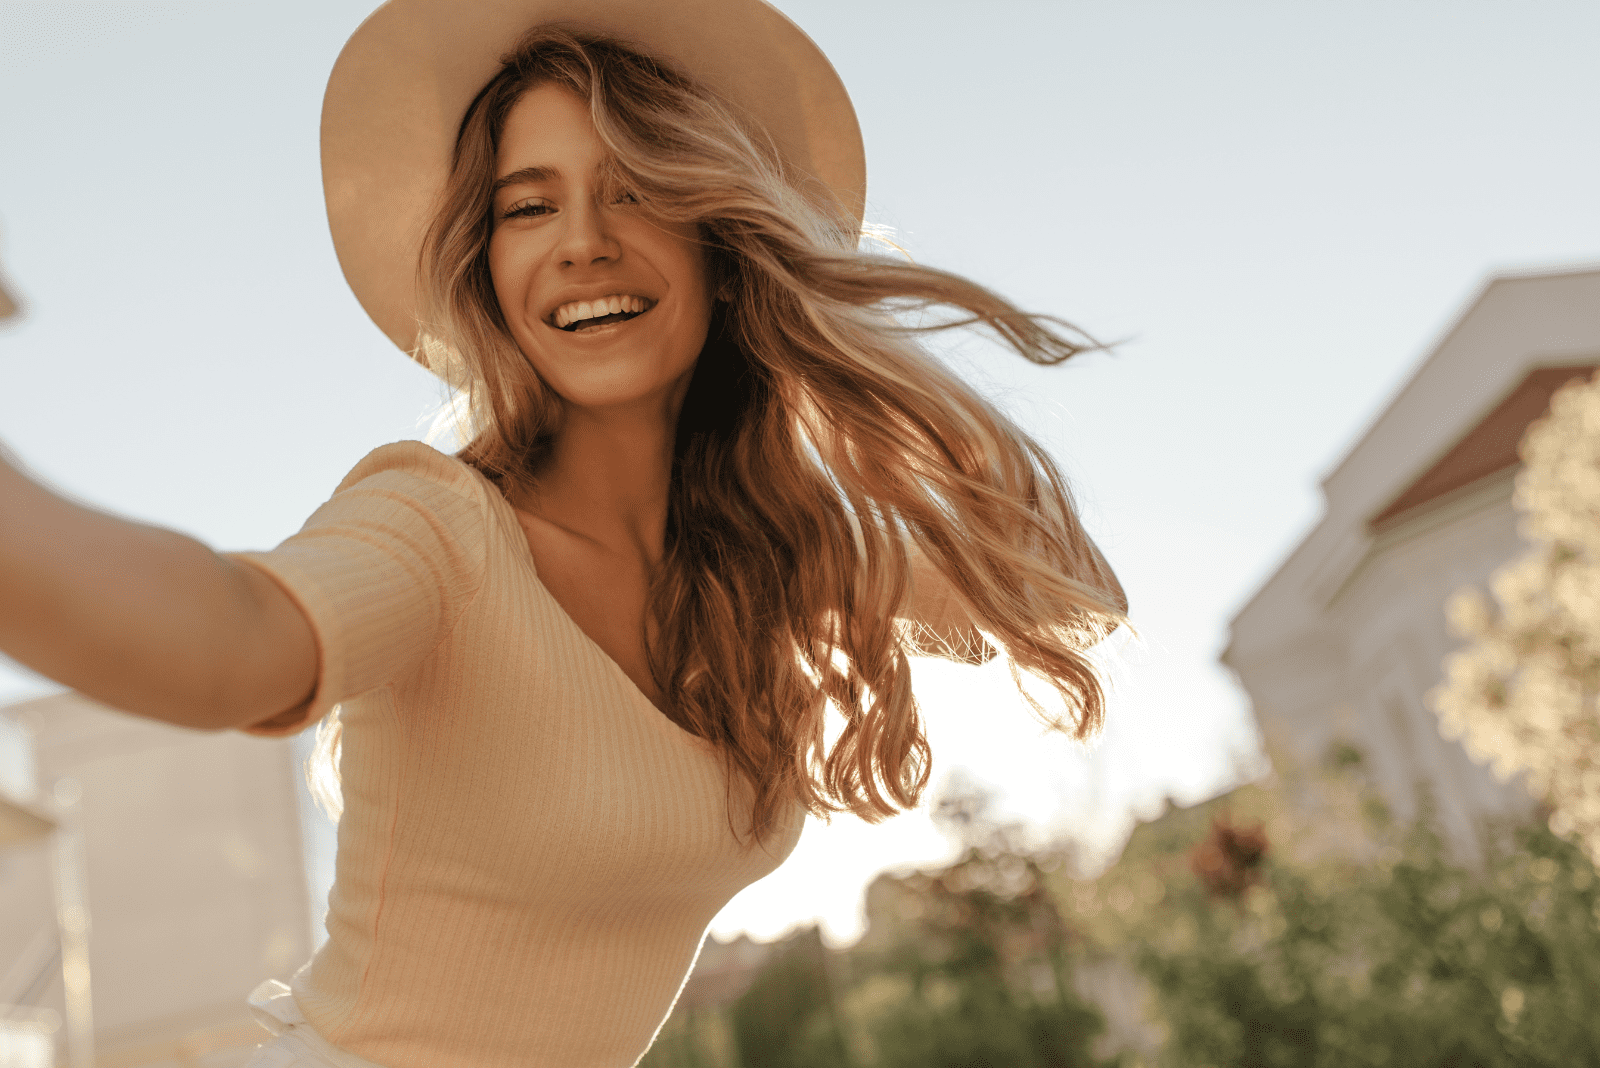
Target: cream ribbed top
{"x":530,"y":852}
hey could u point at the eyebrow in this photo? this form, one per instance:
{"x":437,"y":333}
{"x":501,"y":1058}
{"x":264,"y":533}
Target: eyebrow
{"x":526,"y":176}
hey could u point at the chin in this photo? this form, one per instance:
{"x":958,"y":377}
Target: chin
{"x":608,"y":393}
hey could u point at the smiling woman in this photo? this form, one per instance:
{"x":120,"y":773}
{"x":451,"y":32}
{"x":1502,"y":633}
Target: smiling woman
{"x":575,"y":676}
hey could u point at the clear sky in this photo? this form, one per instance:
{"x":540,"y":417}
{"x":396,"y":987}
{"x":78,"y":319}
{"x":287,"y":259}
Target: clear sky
{"x":1278,"y":207}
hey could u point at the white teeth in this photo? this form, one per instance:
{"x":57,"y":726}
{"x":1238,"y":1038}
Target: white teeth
{"x":579,"y":310}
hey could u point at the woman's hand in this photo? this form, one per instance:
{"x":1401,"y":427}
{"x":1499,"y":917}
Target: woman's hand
{"x":144,"y":619}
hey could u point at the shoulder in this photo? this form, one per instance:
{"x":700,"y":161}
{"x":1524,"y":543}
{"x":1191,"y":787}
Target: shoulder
{"x":416,"y":467}
{"x":414,"y":492}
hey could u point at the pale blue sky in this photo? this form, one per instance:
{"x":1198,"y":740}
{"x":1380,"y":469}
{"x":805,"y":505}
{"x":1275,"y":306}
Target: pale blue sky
{"x":1279,"y":205}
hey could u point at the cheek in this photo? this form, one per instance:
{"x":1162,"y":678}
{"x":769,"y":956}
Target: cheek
{"x":695,"y":271}
{"x":697,"y":306}
{"x":506,"y":273}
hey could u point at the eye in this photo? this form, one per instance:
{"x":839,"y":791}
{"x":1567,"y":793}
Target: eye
{"x":626,"y":197}
{"x":527,"y":209}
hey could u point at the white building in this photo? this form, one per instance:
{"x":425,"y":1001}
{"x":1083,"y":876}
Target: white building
{"x":191,"y":873}
{"x":1345,"y":640}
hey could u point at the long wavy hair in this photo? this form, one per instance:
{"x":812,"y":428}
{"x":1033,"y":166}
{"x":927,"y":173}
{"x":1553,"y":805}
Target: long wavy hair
{"x":818,"y":449}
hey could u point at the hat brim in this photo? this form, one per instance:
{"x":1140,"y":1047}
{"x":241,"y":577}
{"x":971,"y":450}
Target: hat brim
{"x":404,"y":80}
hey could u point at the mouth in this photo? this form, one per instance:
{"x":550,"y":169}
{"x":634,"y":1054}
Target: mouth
{"x":581,"y":315}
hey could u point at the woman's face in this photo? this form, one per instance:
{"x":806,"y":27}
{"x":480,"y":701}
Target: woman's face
{"x":609,"y":303}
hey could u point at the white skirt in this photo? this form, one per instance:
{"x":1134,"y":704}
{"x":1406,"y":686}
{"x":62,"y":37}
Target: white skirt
{"x":297,"y":1043}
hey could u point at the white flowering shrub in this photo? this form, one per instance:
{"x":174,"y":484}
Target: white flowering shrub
{"x":1525,"y":692}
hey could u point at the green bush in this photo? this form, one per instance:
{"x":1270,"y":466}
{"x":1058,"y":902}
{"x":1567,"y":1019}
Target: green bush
{"x":1413,"y":962}
{"x":983,"y":975}
{"x":786,"y":1019}
{"x":978,"y":979}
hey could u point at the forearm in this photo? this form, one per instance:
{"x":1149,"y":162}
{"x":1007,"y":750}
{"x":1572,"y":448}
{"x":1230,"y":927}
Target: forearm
{"x":146,"y":620}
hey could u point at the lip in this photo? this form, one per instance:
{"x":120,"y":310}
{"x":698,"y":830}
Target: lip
{"x":595,"y":332}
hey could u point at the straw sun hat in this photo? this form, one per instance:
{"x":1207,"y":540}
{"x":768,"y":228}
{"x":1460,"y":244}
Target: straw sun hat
{"x":404,"y":81}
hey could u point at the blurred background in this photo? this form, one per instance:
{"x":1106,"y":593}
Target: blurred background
{"x":1348,"y":253}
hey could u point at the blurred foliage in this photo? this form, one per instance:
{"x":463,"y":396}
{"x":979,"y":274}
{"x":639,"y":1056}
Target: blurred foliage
{"x":1413,"y":961}
{"x":1525,"y":692}
{"x":967,"y":967}
{"x":1229,"y":935}
{"x":788,"y":1018}
{"x":981,"y":978}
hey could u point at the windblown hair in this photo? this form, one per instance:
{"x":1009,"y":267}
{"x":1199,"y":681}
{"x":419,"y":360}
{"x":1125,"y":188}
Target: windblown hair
{"x":818,"y":448}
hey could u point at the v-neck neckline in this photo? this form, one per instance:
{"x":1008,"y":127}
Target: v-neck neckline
{"x":525,"y":554}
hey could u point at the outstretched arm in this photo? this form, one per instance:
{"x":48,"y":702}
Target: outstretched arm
{"x":144,"y":619}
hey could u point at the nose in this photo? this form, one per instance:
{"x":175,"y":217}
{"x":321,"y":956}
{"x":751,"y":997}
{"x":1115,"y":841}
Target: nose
{"x":585,"y":237}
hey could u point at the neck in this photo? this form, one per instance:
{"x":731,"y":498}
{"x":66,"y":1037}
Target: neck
{"x":607,"y":477}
